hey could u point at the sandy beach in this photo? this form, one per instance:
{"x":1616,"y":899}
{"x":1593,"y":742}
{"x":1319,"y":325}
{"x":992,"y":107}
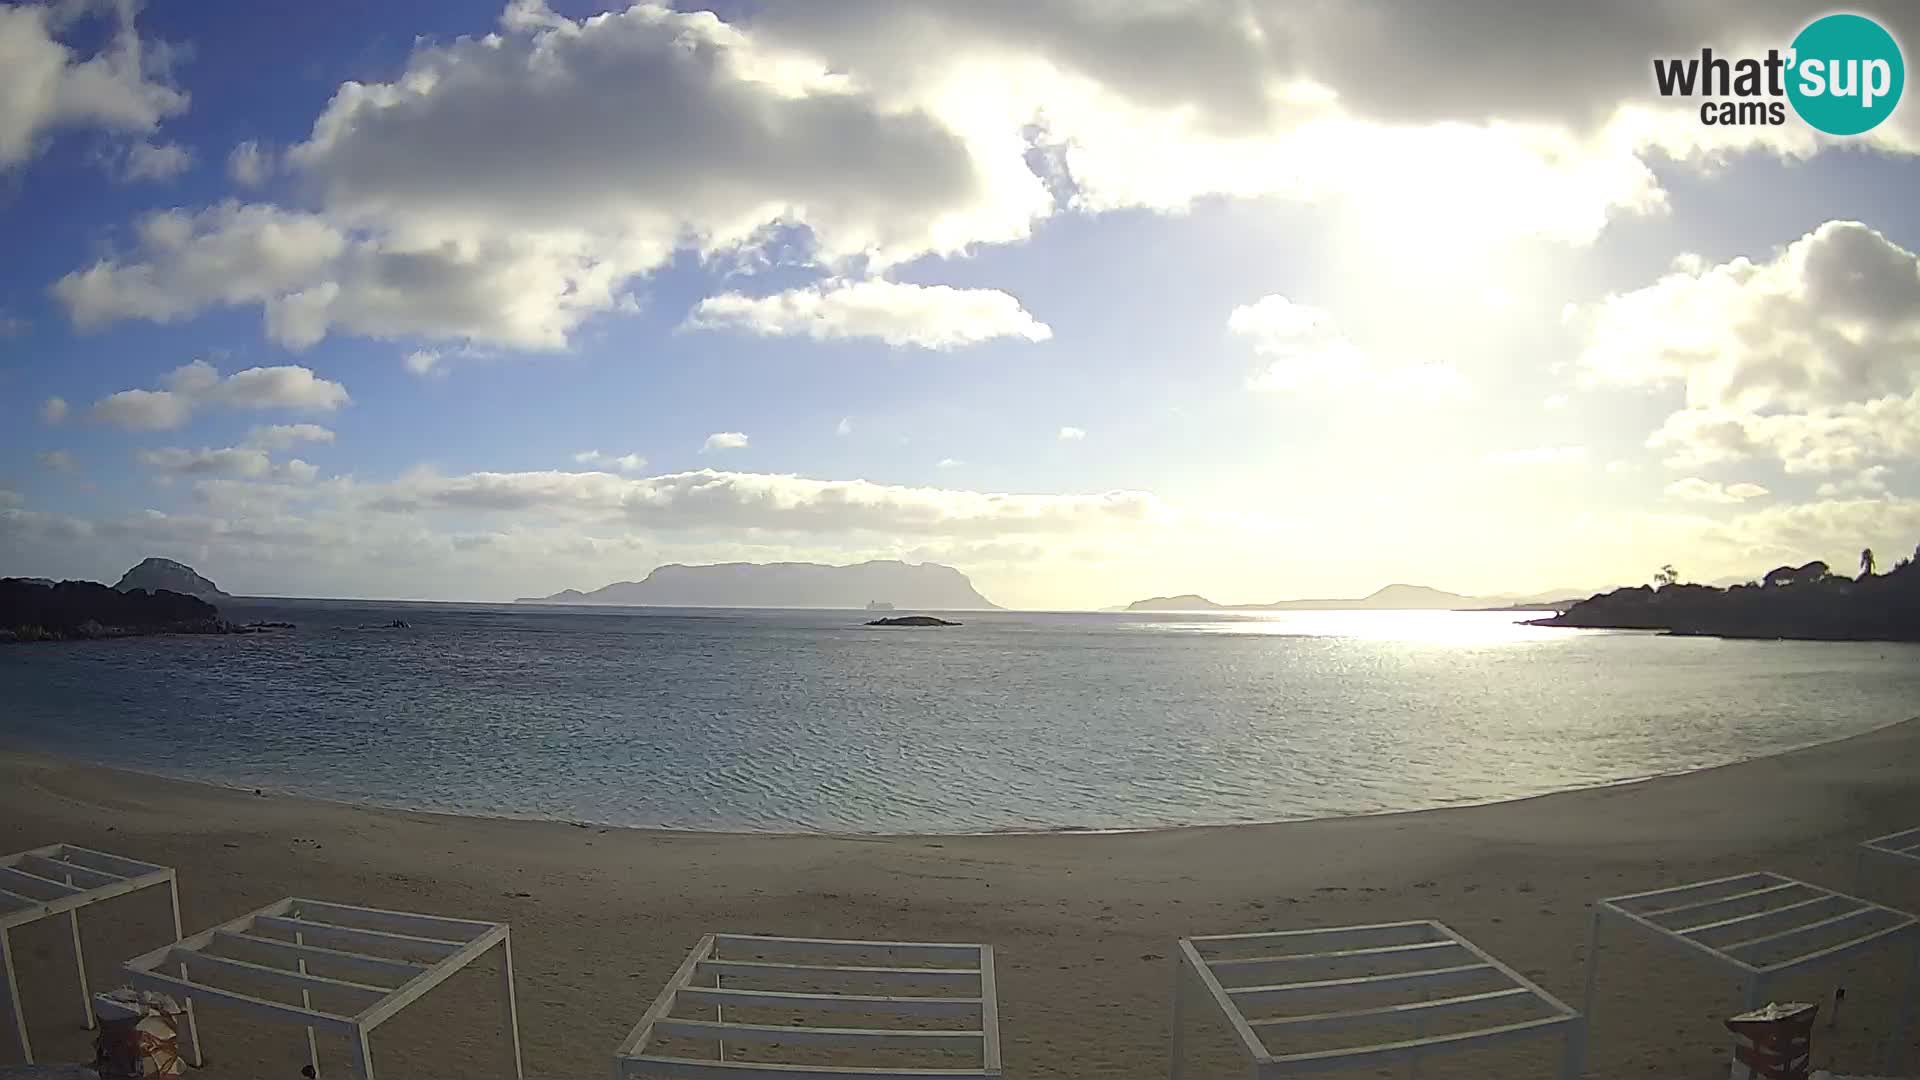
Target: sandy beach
{"x":1082,"y":923}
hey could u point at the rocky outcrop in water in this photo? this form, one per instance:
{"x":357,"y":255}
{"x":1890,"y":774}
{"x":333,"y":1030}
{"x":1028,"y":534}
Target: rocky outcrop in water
{"x":88,"y":609}
{"x":912,"y":620}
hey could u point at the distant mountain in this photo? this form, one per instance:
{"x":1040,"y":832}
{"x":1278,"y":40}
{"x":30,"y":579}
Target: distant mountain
{"x":923,"y":586}
{"x":155,"y":575}
{"x":1389,"y":598}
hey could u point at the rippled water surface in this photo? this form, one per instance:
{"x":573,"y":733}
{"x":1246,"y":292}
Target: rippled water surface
{"x":790,"y":720}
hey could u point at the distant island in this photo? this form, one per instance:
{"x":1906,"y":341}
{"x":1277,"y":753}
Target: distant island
{"x":912,"y":620}
{"x":1389,"y":598}
{"x":1808,"y":602}
{"x":165,"y":575}
{"x":927,"y":586}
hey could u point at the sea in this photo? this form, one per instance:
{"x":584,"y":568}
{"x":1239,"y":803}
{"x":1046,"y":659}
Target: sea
{"x":811,"y":721}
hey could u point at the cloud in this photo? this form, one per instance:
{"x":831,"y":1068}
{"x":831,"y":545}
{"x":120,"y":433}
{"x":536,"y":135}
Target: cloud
{"x":46,"y":85}
{"x":725,"y":440}
{"x":422,"y":361}
{"x":1838,"y":439}
{"x":1834,"y":317}
{"x":12,"y":325}
{"x":948,"y":463}
{"x":248,"y":165}
{"x":1540,"y":456}
{"x":1694,"y":489}
{"x":199,"y":384}
{"x":155,"y":161}
{"x":500,"y":190}
{"x":1307,"y":351}
{"x":1555,"y":402}
{"x":844,"y":427}
{"x":241,"y":462}
{"x":53,"y":411}
{"x":921,"y":316}
{"x":1871,"y":481}
{"x":1071,"y":434}
{"x":627,"y":463}
{"x":57,"y":461}
{"x":708,"y":498}
{"x":286,"y":436}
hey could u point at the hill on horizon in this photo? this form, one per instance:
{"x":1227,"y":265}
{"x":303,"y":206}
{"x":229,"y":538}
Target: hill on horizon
{"x":1396,"y":597}
{"x":925,"y":586}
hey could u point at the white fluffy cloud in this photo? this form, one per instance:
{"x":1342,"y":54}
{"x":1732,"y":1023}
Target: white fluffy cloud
{"x":1811,"y":357}
{"x":199,"y":384}
{"x":241,"y":462}
{"x":725,"y":440}
{"x":1834,"y":317}
{"x":286,"y":436}
{"x":53,"y":411}
{"x":1072,"y":434}
{"x":708,"y":498}
{"x":47,"y":85}
{"x":248,"y":165}
{"x":155,"y":161}
{"x":922,"y":316}
{"x":1694,"y":489}
{"x":626,"y":463}
{"x":503,"y":189}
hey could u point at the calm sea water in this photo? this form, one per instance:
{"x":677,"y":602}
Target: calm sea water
{"x":789,"y":720}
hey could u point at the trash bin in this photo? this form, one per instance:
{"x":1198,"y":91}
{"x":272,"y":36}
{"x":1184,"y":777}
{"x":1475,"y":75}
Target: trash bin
{"x":1773,"y":1042}
{"x":139,"y":1035}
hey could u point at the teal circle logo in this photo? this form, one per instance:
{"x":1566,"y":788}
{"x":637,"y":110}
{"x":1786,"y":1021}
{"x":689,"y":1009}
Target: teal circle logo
{"x":1847,"y":74}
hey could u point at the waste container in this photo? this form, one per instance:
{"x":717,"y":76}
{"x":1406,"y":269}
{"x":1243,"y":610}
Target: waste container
{"x":1773,"y":1042}
{"x":139,"y":1035}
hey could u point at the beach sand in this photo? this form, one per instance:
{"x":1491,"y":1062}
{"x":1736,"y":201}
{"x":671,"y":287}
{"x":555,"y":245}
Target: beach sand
{"x":1082,"y":924}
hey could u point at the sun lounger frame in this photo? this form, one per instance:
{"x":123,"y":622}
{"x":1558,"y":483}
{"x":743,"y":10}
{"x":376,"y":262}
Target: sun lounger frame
{"x":1328,"y":968}
{"x":1720,"y":918}
{"x":366,"y":950}
{"x":960,"y":977}
{"x":60,"y":879}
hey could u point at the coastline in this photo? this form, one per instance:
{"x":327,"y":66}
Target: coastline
{"x":1082,"y":922}
{"x":12,"y":754}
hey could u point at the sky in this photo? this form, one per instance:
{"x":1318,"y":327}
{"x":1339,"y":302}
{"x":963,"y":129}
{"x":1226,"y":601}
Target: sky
{"x":1093,"y":301}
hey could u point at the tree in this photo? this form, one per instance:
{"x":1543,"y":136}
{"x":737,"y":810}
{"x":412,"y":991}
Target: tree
{"x":1667,"y":576}
{"x":1866,"y":562}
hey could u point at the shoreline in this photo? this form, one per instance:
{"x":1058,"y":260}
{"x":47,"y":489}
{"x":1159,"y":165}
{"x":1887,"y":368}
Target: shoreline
{"x":1082,"y":923}
{"x":59,"y":759}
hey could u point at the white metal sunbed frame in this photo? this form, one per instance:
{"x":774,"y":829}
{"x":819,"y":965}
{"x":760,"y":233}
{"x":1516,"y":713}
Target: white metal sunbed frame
{"x":961,"y":977}
{"x":60,"y":879}
{"x":1337,"y":962}
{"x":369,"y":955}
{"x":1734,"y":920}
{"x":1900,"y":847}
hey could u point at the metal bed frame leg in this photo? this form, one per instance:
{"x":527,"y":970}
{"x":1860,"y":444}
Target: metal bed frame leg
{"x":362,"y":1054}
{"x":80,"y":961}
{"x":1575,"y":1061}
{"x":193,"y":1026}
{"x":306,"y":1002}
{"x":513,"y":1009}
{"x":14,"y":1005}
{"x":1593,"y":965}
{"x":1174,"y":1069}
